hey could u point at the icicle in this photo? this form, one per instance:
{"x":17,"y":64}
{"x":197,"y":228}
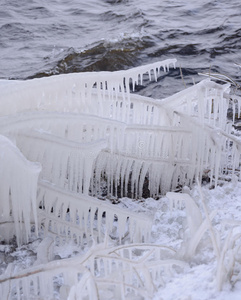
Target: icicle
{"x":234,"y":111}
{"x":127,"y":174}
{"x":239,"y":106}
{"x":121,"y":227}
{"x":143,"y":174}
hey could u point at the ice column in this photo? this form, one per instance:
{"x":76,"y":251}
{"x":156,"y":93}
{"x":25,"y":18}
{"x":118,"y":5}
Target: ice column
{"x":18,"y":187}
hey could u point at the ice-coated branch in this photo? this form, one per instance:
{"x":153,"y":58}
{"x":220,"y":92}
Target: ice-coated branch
{"x":139,"y":268}
{"x":81,"y":218}
{"x":78,"y":92}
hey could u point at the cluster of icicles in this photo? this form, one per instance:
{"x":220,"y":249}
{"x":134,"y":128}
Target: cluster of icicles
{"x":66,"y":138}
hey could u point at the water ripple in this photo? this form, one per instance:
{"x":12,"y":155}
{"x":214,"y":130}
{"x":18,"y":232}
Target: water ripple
{"x":44,"y":38}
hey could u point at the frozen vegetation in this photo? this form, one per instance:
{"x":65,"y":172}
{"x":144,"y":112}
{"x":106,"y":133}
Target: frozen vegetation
{"x":83,"y":162}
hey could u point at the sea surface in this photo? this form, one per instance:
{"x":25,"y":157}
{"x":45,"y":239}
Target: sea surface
{"x":41,"y":38}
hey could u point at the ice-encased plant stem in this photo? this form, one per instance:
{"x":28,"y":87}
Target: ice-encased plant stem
{"x":105,"y":94}
{"x":83,"y":219}
{"x":196,"y":226}
{"x":168,"y":155}
{"x":125,"y":271}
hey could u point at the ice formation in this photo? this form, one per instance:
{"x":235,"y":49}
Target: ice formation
{"x":18,"y":179}
{"x":139,"y":269}
{"x":82,"y":219}
{"x":105,"y":94}
{"x":90,"y":133}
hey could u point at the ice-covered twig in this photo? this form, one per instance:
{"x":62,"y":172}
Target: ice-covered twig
{"x":221,"y":77}
{"x":210,"y":227}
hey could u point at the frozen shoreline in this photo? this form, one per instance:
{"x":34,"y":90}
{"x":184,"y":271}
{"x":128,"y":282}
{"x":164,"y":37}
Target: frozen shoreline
{"x":197,"y":281}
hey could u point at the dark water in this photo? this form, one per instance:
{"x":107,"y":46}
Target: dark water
{"x":41,"y":38}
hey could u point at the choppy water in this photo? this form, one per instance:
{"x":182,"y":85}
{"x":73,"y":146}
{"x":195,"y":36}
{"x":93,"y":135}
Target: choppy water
{"x":40,"y":38}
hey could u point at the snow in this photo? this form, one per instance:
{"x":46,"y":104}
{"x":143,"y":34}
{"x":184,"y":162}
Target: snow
{"x":199,"y":279}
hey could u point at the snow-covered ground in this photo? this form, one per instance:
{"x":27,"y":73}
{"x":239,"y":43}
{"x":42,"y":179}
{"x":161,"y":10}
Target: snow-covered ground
{"x":198,"y":280}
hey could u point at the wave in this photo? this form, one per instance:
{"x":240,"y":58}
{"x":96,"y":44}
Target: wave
{"x":201,"y":36}
{"x":106,"y":55}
